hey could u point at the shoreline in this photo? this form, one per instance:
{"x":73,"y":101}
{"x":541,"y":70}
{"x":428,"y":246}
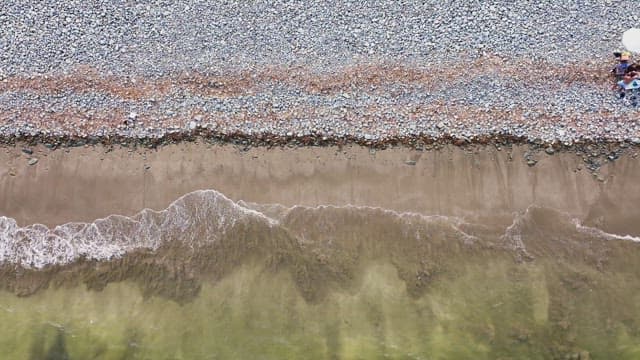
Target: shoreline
{"x":272,"y":140}
{"x":84,"y":183}
{"x":594,"y":152}
{"x":268,"y":139}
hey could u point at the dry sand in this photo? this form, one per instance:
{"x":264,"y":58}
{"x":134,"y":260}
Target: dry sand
{"x":82,"y":184}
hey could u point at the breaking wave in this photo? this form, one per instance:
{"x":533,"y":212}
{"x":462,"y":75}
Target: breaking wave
{"x":202,"y":218}
{"x":201,"y":212}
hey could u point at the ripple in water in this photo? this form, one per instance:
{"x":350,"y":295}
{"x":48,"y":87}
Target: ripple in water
{"x":318,"y":282}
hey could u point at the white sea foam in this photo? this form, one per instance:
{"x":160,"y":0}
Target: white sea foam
{"x":36,"y":246}
{"x":603,"y":234}
{"x":512,"y":236}
{"x":202,"y":217}
{"x":413,"y":222}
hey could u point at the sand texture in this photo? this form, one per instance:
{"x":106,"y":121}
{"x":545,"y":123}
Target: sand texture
{"x":85,"y":183}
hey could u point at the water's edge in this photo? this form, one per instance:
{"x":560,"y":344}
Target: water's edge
{"x":317,"y":253}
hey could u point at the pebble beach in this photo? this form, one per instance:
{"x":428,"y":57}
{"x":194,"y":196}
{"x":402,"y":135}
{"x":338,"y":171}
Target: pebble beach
{"x":371,"y":72}
{"x":318,"y":180}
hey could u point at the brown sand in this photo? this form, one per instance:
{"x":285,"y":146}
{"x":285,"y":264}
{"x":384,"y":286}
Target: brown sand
{"x":82,"y":184}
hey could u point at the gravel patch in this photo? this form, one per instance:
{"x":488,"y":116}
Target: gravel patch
{"x":321,"y":68}
{"x":160,"y":37}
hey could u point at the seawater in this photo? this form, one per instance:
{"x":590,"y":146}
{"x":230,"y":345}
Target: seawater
{"x":210,"y":278}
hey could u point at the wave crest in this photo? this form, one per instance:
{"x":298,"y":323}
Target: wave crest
{"x":195,"y":219}
{"x":205,"y":217}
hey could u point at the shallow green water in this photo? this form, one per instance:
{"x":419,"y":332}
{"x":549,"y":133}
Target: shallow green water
{"x":229,"y":282}
{"x":483,"y":311}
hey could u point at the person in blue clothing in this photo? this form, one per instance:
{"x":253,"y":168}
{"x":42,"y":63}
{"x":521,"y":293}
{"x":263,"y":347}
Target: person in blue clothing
{"x":630,"y":84}
{"x":621,"y":68}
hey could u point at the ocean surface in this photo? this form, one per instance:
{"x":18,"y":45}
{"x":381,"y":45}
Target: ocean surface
{"x":210,"y":278}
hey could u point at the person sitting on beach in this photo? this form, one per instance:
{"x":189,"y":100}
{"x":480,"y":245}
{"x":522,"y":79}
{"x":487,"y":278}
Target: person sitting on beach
{"x":633,"y":69}
{"x":630,"y":83}
{"x":621,"y":69}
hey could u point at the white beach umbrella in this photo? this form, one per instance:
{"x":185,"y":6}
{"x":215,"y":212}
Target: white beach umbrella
{"x":631,"y":40}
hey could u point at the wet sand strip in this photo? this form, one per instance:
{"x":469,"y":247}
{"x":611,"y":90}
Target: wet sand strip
{"x":86,"y":183}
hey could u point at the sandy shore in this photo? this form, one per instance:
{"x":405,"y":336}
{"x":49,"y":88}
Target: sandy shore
{"x":513,"y":252}
{"x":85,"y":183}
{"x":492,"y":169}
